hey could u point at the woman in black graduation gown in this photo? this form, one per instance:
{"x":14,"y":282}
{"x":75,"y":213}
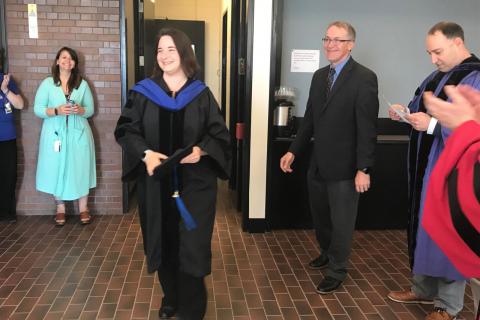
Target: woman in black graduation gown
{"x":172,"y":114}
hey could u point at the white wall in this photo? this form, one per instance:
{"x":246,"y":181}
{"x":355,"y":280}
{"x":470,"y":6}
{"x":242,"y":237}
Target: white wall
{"x":260,"y":104}
{"x":390,"y":39}
{"x":148,"y":9}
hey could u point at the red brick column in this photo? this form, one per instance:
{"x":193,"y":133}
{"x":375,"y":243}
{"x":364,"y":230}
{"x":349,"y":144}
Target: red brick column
{"x":92,"y":28}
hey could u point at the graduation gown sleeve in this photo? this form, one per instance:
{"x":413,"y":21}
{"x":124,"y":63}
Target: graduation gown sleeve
{"x":216,"y":140}
{"x":129,"y":134}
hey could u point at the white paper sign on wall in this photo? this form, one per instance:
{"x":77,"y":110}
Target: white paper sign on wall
{"x":305,"y":60}
{"x":32,"y":21}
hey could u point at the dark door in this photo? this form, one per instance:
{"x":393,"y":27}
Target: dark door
{"x":240,"y":91}
{"x":237,"y":94}
{"x":246,"y":34}
{"x":195,"y":30}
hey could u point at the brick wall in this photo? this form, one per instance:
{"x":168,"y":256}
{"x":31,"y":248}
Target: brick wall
{"x":92,"y":28}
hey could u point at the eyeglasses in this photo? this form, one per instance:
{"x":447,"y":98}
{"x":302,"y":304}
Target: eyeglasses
{"x":334,"y":41}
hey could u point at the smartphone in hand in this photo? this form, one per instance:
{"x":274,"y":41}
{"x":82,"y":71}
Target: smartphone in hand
{"x":71,"y":105}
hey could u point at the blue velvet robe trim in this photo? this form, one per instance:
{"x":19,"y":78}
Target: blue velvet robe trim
{"x":156,"y":94}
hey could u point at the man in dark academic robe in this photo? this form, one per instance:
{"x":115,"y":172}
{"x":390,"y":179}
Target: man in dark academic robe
{"x":181,"y":256}
{"x":436,"y":280}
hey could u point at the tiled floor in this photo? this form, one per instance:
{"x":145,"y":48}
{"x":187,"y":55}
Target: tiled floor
{"x":98,"y":272}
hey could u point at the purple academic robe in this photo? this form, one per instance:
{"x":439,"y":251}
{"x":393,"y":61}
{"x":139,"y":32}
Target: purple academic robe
{"x":428,"y":258}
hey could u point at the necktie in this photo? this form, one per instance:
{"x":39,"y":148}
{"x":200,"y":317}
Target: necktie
{"x":331,"y":74}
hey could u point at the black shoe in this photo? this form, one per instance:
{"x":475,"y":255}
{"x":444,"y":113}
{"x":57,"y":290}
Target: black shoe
{"x":328,"y":285}
{"x":9,"y":219}
{"x":166,"y":312}
{"x":318,"y":263}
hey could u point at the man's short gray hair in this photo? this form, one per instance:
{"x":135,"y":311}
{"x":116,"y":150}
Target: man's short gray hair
{"x":345,"y":25}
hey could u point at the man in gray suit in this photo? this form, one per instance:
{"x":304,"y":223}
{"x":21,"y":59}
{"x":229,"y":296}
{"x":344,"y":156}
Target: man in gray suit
{"x":341,"y":116}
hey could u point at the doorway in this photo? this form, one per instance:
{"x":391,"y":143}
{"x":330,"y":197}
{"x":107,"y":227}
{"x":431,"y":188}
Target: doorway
{"x":195,"y":30}
{"x":231,"y":95}
{"x":241,"y":32}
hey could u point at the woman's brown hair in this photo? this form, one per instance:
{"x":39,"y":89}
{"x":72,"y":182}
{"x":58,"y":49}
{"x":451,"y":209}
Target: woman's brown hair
{"x":75,"y":78}
{"x":188,"y":61}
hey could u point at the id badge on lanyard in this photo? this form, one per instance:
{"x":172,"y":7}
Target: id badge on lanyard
{"x":7,"y":105}
{"x":57,"y":144}
{"x":8,"y":108}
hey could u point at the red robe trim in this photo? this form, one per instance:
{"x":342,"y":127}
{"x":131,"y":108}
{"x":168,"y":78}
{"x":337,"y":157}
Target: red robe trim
{"x":462,"y":152}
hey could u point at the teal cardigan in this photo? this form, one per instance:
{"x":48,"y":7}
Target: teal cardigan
{"x":67,"y":174}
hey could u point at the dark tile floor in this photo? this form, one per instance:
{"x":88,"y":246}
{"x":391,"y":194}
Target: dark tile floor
{"x":98,"y":272}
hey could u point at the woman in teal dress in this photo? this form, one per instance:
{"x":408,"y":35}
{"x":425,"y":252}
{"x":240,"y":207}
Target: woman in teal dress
{"x":66,"y":154}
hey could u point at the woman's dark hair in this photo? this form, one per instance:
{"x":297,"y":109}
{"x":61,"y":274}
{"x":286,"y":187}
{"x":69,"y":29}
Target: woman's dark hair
{"x":188,"y":61}
{"x":75,"y":77}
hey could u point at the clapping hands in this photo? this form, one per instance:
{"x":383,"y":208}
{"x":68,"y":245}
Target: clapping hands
{"x":464,"y":106}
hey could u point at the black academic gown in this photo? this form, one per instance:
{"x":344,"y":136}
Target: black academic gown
{"x":145,"y":125}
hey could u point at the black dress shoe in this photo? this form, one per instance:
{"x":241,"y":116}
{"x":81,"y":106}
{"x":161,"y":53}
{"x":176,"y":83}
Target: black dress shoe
{"x":318,"y":263}
{"x":328,"y":285}
{"x":166,"y":312}
{"x":9,"y":219}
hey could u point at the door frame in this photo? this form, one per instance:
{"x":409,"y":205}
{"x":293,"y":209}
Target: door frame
{"x":233,"y":119}
{"x":223,"y":102}
{"x":246,"y":221}
{"x":126,"y":186}
{"x":3,"y":37}
{"x":240,"y":98}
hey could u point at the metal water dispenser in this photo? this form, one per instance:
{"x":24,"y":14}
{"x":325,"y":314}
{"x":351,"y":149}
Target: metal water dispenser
{"x":283,"y":114}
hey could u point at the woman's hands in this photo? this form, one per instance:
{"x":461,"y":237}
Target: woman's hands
{"x":15,"y":99}
{"x":4,"y":85}
{"x":152,"y":160}
{"x":68,"y":109}
{"x":77,"y":109}
{"x":195,"y":156}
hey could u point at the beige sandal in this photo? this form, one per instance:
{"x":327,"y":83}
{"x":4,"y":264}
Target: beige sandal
{"x":85,"y":217}
{"x":60,"y":219}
